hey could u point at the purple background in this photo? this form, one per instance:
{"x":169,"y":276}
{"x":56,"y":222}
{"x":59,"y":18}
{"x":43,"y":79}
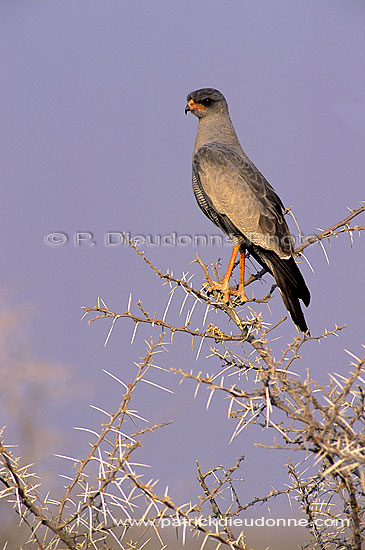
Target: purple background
{"x":95,"y":139}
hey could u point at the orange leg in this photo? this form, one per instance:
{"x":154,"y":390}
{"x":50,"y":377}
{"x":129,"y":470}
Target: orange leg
{"x":241,"y":285}
{"x":228,"y":274}
{"x":224,"y":285}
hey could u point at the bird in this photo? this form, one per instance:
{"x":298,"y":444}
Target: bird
{"x":236,"y":197}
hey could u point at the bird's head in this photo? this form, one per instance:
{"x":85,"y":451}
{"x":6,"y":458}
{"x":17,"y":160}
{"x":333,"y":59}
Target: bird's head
{"x":206,"y":102}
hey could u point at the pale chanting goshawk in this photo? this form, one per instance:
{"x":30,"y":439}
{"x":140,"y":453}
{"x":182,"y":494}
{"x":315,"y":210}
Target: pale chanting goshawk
{"x":234,"y":195}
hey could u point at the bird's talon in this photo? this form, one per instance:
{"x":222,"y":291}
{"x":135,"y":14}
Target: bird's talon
{"x":241,"y":296}
{"x":217,"y":287}
{"x":237,"y":295}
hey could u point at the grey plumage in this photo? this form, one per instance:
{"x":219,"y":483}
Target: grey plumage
{"x":234,"y":195}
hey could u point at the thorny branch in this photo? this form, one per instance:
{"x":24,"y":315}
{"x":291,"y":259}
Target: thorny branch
{"x":108,"y":491}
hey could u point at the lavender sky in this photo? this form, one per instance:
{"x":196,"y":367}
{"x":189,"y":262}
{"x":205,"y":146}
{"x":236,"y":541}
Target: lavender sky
{"x":94,"y":139}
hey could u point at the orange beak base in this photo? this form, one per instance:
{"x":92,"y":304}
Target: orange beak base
{"x":192,"y":106}
{"x":195,"y":106}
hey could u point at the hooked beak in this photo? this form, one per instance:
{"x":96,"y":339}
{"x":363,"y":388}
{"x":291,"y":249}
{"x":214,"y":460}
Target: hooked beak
{"x":192,"y":106}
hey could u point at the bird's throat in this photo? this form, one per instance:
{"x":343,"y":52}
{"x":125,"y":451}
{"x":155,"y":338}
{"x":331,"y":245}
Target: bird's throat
{"x":218,"y":129}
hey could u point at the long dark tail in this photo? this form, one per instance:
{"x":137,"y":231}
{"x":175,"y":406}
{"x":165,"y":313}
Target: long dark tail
{"x":290,"y":283}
